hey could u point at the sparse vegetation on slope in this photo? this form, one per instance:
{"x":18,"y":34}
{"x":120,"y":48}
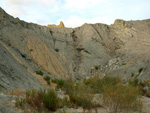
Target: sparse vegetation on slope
{"x":79,"y":93}
{"x":122,"y":98}
{"x":43,"y":100}
{"x":47,"y":79}
{"x":143,"y":86}
{"x":97,"y":84}
{"x":39,"y":72}
{"x":141,"y":69}
{"x":59,"y":82}
{"x":116,"y":95}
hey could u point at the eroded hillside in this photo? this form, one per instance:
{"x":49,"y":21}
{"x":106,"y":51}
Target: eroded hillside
{"x":119,"y":49}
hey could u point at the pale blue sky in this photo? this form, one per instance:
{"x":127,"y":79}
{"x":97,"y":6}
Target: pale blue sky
{"x":76,"y":12}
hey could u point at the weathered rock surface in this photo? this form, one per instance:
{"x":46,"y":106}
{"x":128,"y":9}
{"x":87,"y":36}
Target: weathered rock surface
{"x":14,"y":75}
{"x":61,"y":25}
{"x":4,"y":99}
{"x":5,"y":109}
{"x":43,"y":57}
{"x":119,"y":49}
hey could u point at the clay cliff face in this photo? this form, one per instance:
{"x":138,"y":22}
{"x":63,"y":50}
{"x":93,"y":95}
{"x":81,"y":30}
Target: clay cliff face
{"x":119,"y":49}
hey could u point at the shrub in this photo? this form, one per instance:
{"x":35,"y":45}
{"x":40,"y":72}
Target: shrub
{"x":43,"y":99}
{"x":60,"y":82}
{"x":47,"y":79}
{"x":81,"y":96}
{"x":143,"y":86}
{"x":34,"y":98}
{"x":142,"y":83}
{"x":69,"y":86}
{"x":79,"y":93}
{"x":31,"y":49}
{"x":124,"y":63}
{"x":65,"y":102}
{"x":73,"y":97}
{"x":20,"y":102}
{"x":141,"y":69}
{"x":132,"y":74}
{"x":147,"y":83}
{"x":134,"y":82}
{"x":96,"y":67}
{"x":97,"y":84}
{"x":79,"y":100}
{"x":50,"y":100}
{"x":91,"y":81}
{"x":39,"y":72}
{"x":85,"y":101}
{"x":56,"y":49}
{"x":122,"y":97}
{"x":116,"y":95}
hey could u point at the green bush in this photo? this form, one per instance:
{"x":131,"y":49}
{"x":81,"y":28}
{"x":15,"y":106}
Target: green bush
{"x":142,"y":83}
{"x":65,"y":102}
{"x":116,"y":95}
{"x":50,"y":100}
{"x":122,"y":97}
{"x":141,"y":69}
{"x":39,"y":72}
{"x":97,"y":84}
{"x":96,"y":67}
{"x":20,"y":102}
{"x":60,"y":82}
{"x":43,"y":99}
{"x":134,"y":82}
{"x":73,"y":97}
{"x":132,"y":74}
{"x":79,"y":93}
{"x":124,"y":63}
{"x":80,"y":96}
{"x":47,"y":79}
{"x":34,"y":98}
{"x":69,"y":86}
{"x":56,"y":49}
{"x":85,"y":101}
{"x":147,"y":82}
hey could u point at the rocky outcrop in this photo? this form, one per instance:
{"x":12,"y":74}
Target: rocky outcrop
{"x":119,"y":49}
{"x":43,"y":57}
{"x":14,"y":75}
{"x":61,"y":25}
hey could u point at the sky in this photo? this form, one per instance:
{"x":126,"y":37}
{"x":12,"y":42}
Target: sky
{"x":75,"y":13}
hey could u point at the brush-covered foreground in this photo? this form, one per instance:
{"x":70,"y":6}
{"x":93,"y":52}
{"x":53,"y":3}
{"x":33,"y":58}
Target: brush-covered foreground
{"x":114,"y":93}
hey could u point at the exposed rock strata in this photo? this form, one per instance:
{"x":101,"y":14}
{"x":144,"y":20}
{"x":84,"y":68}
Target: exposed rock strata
{"x":73,"y":52}
{"x":43,"y":57}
